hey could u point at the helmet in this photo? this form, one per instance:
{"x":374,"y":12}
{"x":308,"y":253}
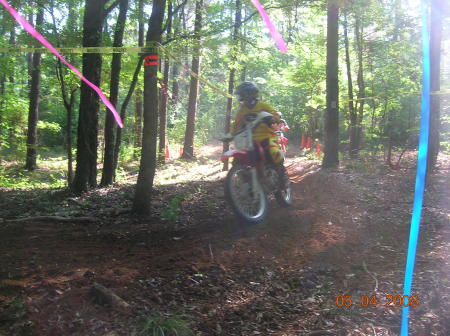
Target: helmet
{"x":247,"y":91}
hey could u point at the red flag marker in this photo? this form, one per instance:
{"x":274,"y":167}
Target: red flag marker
{"x":318,"y":148}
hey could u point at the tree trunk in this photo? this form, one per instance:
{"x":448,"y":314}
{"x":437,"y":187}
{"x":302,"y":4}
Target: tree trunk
{"x":110,"y":123}
{"x":397,"y":20}
{"x":12,"y":42}
{"x":164,"y":95}
{"x":176,"y":67}
{"x":188,"y":150}
{"x":69,"y":102}
{"x":331,"y":143}
{"x":353,"y":149}
{"x":361,"y":85}
{"x":138,"y":97}
{"x":144,"y":186}
{"x":243,"y":74}
{"x":69,"y":139}
{"x":163,"y":113}
{"x":123,"y":110}
{"x":226,"y":144}
{"x":234,"y":51}
{"x":138,"y":119}
{"x":437,"y":7}
{"x":138,"y":101}
{"x":184,"y":87}
{"x":68,"y":99}
{"x":87,"y":142}
{"x":141,"y":23}
{"x":29,"y":56}
{"x":175,"y":85}
{"x":33,"y":111}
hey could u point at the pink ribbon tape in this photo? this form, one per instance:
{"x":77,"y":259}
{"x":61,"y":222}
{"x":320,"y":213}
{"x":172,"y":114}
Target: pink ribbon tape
{"x":273,"y":31}
{"x":31,"y":30}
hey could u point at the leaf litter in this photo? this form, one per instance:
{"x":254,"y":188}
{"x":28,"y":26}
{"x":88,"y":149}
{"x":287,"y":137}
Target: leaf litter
{"x":345,"y":235}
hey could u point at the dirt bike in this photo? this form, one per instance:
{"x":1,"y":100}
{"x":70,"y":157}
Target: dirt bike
{"x":253,"y":177}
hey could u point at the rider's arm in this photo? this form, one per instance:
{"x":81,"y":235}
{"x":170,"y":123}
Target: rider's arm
{"x":266,"y":107}
{"x":237,"y":122}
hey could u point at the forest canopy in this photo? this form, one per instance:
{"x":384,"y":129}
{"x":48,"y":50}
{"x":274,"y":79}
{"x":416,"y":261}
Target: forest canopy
{"x":379,"y":64}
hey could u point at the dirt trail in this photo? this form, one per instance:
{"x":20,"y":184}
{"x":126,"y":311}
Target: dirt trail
{"x":346,"y":234}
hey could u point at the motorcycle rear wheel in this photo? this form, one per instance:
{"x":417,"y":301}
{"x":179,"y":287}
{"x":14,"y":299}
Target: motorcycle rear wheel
{"x":250,"y":206}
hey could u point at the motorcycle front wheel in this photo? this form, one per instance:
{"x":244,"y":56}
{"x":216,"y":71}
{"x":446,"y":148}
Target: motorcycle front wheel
{"x":284,"y":197}
{"x":249,"y":205}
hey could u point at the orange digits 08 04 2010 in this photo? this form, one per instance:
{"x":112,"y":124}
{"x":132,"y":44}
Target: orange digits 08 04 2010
{"x":388,"y":300}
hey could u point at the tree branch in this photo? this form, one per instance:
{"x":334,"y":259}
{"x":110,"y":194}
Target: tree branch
{"x":218,"y":31}
{"x":249,"y":42}
{"x":175,"y":11}
{"x":110,"y":8}
{"x":132,"y":86}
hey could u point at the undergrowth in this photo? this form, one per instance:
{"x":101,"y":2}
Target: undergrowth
{"x":15,"y":177}
{"x":165,"y":326}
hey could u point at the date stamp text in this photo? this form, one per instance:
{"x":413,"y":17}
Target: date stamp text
{"x":388,"y":300}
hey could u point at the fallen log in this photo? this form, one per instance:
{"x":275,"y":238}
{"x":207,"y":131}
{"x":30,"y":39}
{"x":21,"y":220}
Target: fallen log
{"x":52,"y":219}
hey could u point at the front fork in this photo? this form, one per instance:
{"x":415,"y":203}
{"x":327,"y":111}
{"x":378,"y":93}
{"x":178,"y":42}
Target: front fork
{"x":256,"y":185}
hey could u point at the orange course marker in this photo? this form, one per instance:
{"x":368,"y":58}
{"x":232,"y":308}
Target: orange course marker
{"x":167,"y":154}
{"x":302,"y":144}
{"x":150,"y":60}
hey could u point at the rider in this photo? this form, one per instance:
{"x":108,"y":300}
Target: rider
{"x":283,"y":126}
{"x":280,"y":128}
{"x":247,"y":93}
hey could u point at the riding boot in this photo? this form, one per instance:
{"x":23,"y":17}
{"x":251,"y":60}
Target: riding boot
{"x":283,"y":176}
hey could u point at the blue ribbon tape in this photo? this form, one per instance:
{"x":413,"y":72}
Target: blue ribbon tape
{"x":421,"y":166}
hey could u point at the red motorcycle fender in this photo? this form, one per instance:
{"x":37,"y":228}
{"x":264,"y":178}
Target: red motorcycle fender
{"x":238,"y":154}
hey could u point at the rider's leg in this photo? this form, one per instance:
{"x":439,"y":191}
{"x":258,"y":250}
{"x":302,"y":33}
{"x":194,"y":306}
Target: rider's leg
{"x":277,"y":157}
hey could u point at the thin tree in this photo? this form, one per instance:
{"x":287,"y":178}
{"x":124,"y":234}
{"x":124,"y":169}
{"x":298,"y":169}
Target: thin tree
{"x":234,"y":51}
{"x":144,"y":186}
{"x":110,"y":124}
{"x":33,"y":111}
{"x":138,"y":103}
{"x":361,"y":84}
{"x":437,"y":10}
{"x":68,"y":97}
{"x":331,"y":143}
{"x":164,"y":94}
{"x":188,"y":150}
{"x":176,"y":67}
{"x":123,"y":110}
{"x":137,"y":121}
{"x":12,"y":40}
{"x":353,"y":149}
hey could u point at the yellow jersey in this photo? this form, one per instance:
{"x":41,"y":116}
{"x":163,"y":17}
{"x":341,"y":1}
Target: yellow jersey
{"x":263,"y":131}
